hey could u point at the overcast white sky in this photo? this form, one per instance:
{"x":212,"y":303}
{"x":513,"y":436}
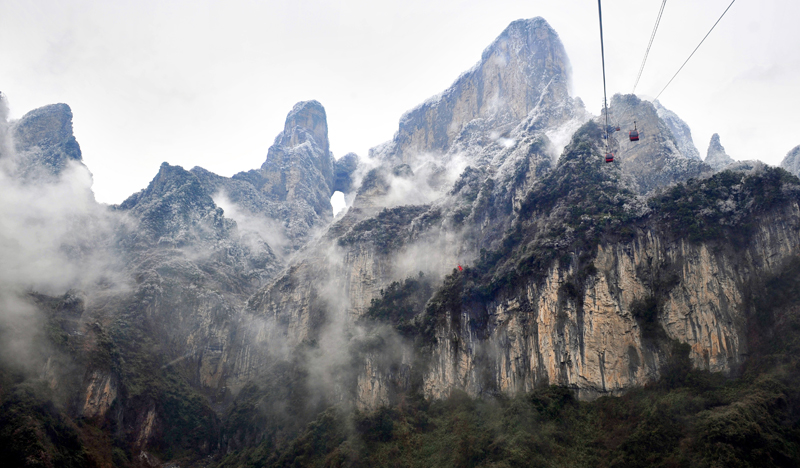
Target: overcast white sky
{"x":210,"y":83}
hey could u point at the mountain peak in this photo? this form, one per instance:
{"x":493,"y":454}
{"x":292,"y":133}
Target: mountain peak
{"x":44,"y":139}
{"x":522,"y":33}
{"x":716,"y":157}
{"x":307,"y":118}
{"x":524,"y":68}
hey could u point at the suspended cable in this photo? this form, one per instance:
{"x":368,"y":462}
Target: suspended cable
{"x":647,"y":52}
{"x":695,"y":49}
{"x":603,"y":57}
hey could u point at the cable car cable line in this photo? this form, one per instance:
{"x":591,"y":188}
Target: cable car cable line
{"x":695,"y":49}
{"x":647,"y":52}
{"x":605,"y":99}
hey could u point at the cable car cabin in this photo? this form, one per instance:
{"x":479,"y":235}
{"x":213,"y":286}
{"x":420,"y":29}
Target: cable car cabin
{"x":609,"y":157}
{"x":617,"y":128}
{"x":634,"y":134}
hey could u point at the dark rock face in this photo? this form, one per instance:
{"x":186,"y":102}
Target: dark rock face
{"x":172,"y":206}
{"x":43,"y":138}
{"x":343,"y":172}
{"x":792,"y":161}
{"x":176,"y":212}
{"x":716,"y":157}
{"x":655,"y":160}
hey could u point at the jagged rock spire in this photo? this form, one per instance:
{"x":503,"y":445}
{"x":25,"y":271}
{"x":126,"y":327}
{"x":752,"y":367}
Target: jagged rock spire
{"x":299,"y":165}
{"x":716,"y":157}
{"x":307,"y":118}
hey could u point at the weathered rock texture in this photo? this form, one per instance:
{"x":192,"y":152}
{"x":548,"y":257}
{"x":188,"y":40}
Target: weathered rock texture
{"x":792,"y":161}
{"x":44,"y":142}
{"x":292,"y":190}
{"x":344,"y":169}
{"x":716,"y":157}
{"x":535,"y":337}
{"x":525,"y":68}
{"x":656,"y":160}
{"x":680,"y":130}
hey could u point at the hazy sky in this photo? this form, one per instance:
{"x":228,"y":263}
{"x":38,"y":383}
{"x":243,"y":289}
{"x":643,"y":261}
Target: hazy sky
{"x":201,"y":83}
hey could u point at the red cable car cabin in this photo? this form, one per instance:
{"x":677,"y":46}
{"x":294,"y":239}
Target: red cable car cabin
{"x":609,"y":157}
{"x":634,"y":134}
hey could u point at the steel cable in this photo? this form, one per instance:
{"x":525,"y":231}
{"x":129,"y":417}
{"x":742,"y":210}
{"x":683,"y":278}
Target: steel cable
{"x":647,"y":52}
{"x":603,"y":58}
{"x":695,"y":49}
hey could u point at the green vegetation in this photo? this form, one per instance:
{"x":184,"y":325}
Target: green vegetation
{"x":401,"y":302}
{"x":689,"y":418}
{"x":723,"y":206}
{"x":583,"y":203}
{"x":187,"y":425}
{"x":34,"y":432}
{"x":564,"y":217}
{"x":387,"y":230}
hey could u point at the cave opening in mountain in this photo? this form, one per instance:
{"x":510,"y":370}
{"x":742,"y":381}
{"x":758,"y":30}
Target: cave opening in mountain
{"x":337,"y":202}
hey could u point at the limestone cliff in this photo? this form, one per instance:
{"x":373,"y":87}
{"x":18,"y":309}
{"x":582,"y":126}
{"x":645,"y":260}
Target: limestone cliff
{"x":597,"y":321}
{"x":594,"y":343}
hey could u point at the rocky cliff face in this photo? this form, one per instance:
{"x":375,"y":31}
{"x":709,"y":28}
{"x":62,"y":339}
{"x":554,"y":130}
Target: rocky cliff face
{"x":679,"y":129}
{"x":291,"y":191}
{"x":44,"y":142}
{"x":599,"y":321}
{"x":494,"y":131}
{"x":792,"y":161}
{"x":716,"y":157}
{"x":656,"y":159}
{"x":344,"y":169}
{"x":594,"y":343}
{"x":524,"y":69}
